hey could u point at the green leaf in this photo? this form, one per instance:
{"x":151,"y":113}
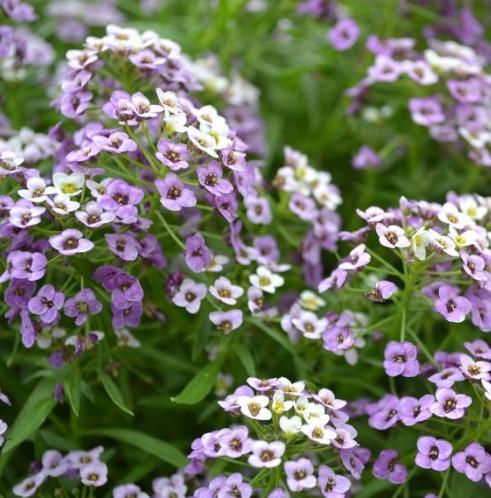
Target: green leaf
{"x":114,"y":393}
{"x":245,"y":357}
{"x":200,"y":385}
{"x":73,"y":387}
{"x":36,"y":409}
{"x":280,"y":338}
{"x":149,"y":444}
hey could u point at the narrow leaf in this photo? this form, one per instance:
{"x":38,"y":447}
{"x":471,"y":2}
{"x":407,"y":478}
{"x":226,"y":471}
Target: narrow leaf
{"x":245,"y":357}
{"x":73,"y":387}
{"x":200,"y":385}
{"x":149,"y":444}
{"x":114,"y":393}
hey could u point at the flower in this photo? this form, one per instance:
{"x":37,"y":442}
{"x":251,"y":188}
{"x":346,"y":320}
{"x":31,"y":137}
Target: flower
{"x":433,"y":453}
{"x":382,"y":291}
{"x":449,"y":404}
{"x":173,"y":194}
{"x":82,"y":305}
{"x":225,"y":291}
{"x":123,"y":245}
{"x":474,"y":462}
{"x":413,"y":410}
{"x":265,"y":280}
{"x":70,"y":242}
{"x":197,"y":254}
{"x":94,"y":474}
{"x":227,"y":321}
{"x":70,"y":185}
{"x":29,"y":486}
{"x":387,"y":467}
{"x":190,"y":295}
{"x":450,"y":305}
{"x":344,"y":34}
{"x":264,"y":454}
{"x":210,"y":177}
{"x":236,"y":442}
{"x":299,"y":474}
{"x":254,"y":407}
{"x":401,"y":359}
{"x":331,"y":484}
{"x":366,"y":158}
{"x":392,"y":236}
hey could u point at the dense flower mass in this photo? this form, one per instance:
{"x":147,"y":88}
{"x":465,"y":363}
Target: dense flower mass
{"x":201,"y":202}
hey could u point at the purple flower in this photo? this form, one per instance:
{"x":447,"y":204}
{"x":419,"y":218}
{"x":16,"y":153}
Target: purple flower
{"x":449,"y":404}
{"x":190,"y":295}
{"x":121,"y":198}
{"x":401,"y":359}
{"x":264,"y":454}
{"x":82,"y":305}
{"x":234,"y":486}
{"x":123,"y":245}
{"x":227,"y":321}
{"x":450,"y":305}
{"x":128,"y":491}
{"x":94,"y":474}
{"x":382,"y":291}
{"x":125,"y":291}
{"x":116,"y":143}
{"x":385,"y":413}
{"x":357,"y":258}
{"x":387,"y":467}
{"x":25,"y":265}
{"x":474,"y":462}
{"x":344,"y":35}
{"x":197,"y":254}
{"x":174,"y":156}
{"x":300,"y":474}
{"x":354,"y":460}
{"x":331,"y":484}
{"x":447,"y":377}
{"x":70,"y":242}
{"x":54,"y":465}
{"x":433,"y":453}
{"x":413,"y":411}
{"x":128,"y":317}
{"x":211,"y":179}
{"x":173,"y":194}
{"x":426,"y":111}
{"x":236,"y":442}
{"x":258,"y":210}
{"x":29,"y":486}
{"x":46,"y":304}
{"x":366,"y":158}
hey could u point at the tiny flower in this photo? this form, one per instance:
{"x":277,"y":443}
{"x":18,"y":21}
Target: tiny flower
{"x":225,"y":291}
{"x":382,"y":291}
{"x":123,"y":245}
{"x":54,"y":465}
{"x":401,"y":359}
{"x":449,"y":404}
{"x":413,"y":410}
{"x":94,"y":474}
{"x":419,"y":242}
{"x":264,"y":454}
{"x":190,"y":295}
{"x":290,"y":426}
{"x":70,"y":242}
{"x":474,"y":462}
{"x":173,"y":194}
{"x":331,"y":484}
{"x":82,"y":305}
{"x":366,"y":158}
{"x":210,"y":177}
{"x":258,"y":210}
{"x":392,"y":236}
{"x":387,"y":467}
{"x":71,"y":184}
{"x":254,"y":407}
{"x":197,"y":254}
{"x":29,"y":486}
{"x":356,"y":259}
{"x":450,"y":305}
{"x":299,"y":474}
{"x":227,"y":321}
{"x":37,"y":190}
{"x":47,"y":304}
{"x":265,"y":280}
{"x":433,"y":453}
{"x":236,"y":442}
{"x":320,"y":433}
{"x":173,"y":155}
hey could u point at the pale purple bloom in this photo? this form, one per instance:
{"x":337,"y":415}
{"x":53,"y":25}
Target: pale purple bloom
{"x":433,"y":453}
{"x":128,"y":317}
{"x":387,"y":467}
{"x":449,"y":404}
{"x":211,"y":178}
{"x":474,"y":462}
{"x":413,"y":411}
{"x":125,"y":290}
{"x":383,"y":414}
{"x":25,"y":266}
{"x":332,"y":485}
{"x":173,"y":194}
{"x":82,"y":305}
{"x":94,"y":474}
{"x":54,"y":464}
{"x":227,"y":321}
{"x":477,"y":370}
{"x":190,"y":295}
{"x":264,"y":454}
{"x":29,"y":486}
{"x":366,"y":158}
{"x":128,"y":491}
{"x":357,"y":258}
{"x":447,"y":377}
{"x":300,"y":474}
{"x":426,"y":111}
{"x":258,"y":210}
{"x":70,"y":242}
{"x":94,"y":216}
{"x":123,"y":245}
{"x":450,"y":305}
{"x":197,"y":254}
{"x":116,"y":143}
{"x":344,"y":35}
{"x":401,"y":359}
{"x":382,"y":291}
{"x":173,"y":155}
{"x":236,"y":442}
{"x":46,"y":304}
{"x":354,"y":460}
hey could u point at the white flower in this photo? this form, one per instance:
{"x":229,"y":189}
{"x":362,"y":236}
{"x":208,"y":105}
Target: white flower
{"x":169,"y":101}
{"x":470,"y":207}
{"x":279,"y":405}
{"x":266,"y":454}
{"x":450,"y":215}
{"x":37,"y":190}
{"x":291,"y":388}
{"x":98,"y":189}
{"x":71,"y":184}
{"x":392,"y":236}
{"x":290,"y":426}
{"x":10,"y":162}
{"x":487,"y":388}
{"x":266,"y":280}
{"x":225,"y":291}
{"x":315,"y":412}
{"x":419,"y":242}
{"x":62,"y":204}
{"x":202,"y":141}
{"x":327,"y":398}
{"x":254,"y":407}
{"x":463,"y":239}
{"x":310,"y":326}
{"x":443,"y":243}
{"x":318,"y":432}
{"x":311,"y":301}
{"x":126,"y":339}
{"x":217,"y":263}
